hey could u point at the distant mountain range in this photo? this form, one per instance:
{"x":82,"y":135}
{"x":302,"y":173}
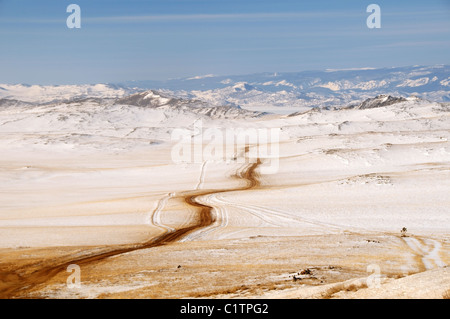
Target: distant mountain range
{"x":310,"y":88}
{"x":329,"y":88}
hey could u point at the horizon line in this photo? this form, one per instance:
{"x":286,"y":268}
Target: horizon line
{"x":201,"y":77}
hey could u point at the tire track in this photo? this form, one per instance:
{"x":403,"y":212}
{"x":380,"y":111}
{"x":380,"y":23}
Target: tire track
{"x":289,"y":216}
{"x":427,"y":250}
{"x":220,"y":221}
{"x":249,"y":175}
{"x":201,"y":179}
{"x":155,"y":218}
{"x":15,"y":285}
{"x":273,"y":218}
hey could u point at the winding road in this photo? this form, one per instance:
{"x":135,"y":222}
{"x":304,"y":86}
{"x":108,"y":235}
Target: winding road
{"x":16,"y":285}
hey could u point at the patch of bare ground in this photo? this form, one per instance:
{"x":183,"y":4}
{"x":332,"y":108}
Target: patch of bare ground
{"x":25,"y":281}
{"x":241,"y":268}
{"x":446,"y":294}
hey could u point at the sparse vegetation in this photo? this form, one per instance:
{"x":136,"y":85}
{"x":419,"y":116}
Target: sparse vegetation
{"x":446,"y":294}
{"x":403,"y":232}
{"x":306,"y":271}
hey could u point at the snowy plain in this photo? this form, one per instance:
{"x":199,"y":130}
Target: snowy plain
{"x":95,"y":172}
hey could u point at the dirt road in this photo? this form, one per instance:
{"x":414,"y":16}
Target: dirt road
{"x":15,"y":285}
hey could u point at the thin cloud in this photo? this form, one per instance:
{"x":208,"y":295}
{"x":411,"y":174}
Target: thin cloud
{"x":220,"y":17}
{"x":191,"y":17}
{"x":261,"y":16}
{"x":412,"y":44}
{"x":251,"y":16}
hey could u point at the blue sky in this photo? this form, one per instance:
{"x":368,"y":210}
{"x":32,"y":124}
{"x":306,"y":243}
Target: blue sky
{"x":158,"y":40}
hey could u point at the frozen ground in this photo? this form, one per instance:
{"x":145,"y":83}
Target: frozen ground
{"x":81,"y":178}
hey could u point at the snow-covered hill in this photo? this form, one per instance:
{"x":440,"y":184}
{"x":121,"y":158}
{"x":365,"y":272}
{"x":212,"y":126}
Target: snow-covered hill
{"x":159,"y":100}
{"x":130,"y":122}
{"x":55,"y":93}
